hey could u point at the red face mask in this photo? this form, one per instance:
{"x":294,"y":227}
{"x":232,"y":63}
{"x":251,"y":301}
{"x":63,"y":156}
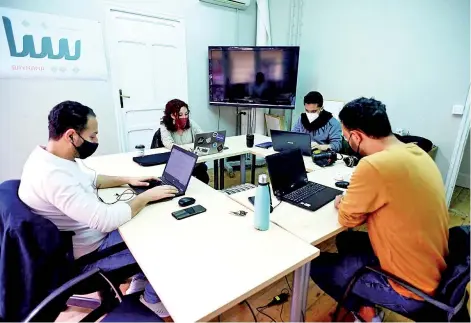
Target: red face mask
{"x":181,"y":123}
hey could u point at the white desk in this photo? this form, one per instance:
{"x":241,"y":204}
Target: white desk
{"x":262,"y":152}
{"x":204,"y":265}
{"x":236,"y":146}
{"x":312,"y":227}
{"x":117,"y":164}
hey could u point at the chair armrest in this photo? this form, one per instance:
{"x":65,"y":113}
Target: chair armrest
{"x":51,"y":306}
{"x":98,"y":255}
{"x":412,"y":289}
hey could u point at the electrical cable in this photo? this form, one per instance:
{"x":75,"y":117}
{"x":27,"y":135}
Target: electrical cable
{"x":287,"y":282}
{"x":277,"y":205}
{"x":219,"y":116}
{"x":260,"y":309}
{"x":118,"y":196}
{"x":251,"y":310}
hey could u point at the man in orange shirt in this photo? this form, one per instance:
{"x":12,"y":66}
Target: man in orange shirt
{"x":398,"y":191}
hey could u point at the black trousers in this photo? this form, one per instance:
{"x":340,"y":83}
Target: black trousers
{"x":201,"y":172}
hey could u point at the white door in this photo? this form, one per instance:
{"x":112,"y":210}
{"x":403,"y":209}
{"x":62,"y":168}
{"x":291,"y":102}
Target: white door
{"x":148,"y":68}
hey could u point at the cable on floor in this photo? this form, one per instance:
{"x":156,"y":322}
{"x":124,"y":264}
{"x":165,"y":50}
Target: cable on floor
{"x":251,"y":310}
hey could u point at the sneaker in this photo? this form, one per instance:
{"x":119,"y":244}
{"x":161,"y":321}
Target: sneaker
{"x":157,"y":308}
{"x":377,"y":318}
{"x":137,"y":285}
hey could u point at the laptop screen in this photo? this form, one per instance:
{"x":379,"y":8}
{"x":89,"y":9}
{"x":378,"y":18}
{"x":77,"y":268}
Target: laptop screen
{"x":287,"y":140}
{"x":287,"y":171}
{"x":180,"y":167}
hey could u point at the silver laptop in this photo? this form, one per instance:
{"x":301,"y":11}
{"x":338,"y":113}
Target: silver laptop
{"x":209,"y":143}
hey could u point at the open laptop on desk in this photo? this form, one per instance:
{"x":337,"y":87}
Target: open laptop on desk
{"x":290,"y":184}
{"x":209,"y":143}
{"x":287,"y":140}
{"x":177,"y":172}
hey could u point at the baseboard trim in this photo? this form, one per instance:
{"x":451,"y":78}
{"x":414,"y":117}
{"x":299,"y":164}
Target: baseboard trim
{"x":463,"y":180}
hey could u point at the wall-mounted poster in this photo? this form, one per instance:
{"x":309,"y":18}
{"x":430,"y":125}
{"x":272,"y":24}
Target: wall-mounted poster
{"x":38,"y":45}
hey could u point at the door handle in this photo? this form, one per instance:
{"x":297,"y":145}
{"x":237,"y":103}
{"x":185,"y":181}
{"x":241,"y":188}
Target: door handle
{"x":121,"y":96}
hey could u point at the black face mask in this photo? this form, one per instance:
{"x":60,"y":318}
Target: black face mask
{"x":86,"y":149}
{"x":357,"y":153}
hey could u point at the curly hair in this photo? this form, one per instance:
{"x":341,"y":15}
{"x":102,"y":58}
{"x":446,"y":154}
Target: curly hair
{"x":173,"y":107}
{"x":68,"y":115}
{"x":367,"y":115}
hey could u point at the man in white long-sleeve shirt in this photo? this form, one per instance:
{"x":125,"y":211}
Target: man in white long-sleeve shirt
{"x":54,"y":186}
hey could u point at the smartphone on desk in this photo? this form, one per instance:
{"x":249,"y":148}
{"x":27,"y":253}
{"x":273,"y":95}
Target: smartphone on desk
{"x":189,"y":211}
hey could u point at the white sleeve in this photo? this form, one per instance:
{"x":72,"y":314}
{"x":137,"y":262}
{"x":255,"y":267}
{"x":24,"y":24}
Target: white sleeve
{"x":68,"y":195}
{"x":195,"y":129}
{"x":166,"y":137}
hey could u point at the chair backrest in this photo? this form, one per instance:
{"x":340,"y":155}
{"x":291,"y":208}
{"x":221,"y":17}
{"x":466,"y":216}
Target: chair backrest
{"x":34,"y":259}
{"x":157,"y":140}
{"x":455,"y":278}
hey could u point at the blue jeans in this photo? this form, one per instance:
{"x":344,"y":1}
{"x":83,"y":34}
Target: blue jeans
{"x":120,"y":260}
{"x":332,"y":272}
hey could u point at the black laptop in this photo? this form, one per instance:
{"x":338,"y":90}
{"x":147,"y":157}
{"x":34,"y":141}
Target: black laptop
{"x":152,"y":160}
{"x":287,"y":140}
{"x":290,"y":184}
{"x":177,"y":172}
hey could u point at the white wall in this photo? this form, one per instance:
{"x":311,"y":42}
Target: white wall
{"x":26,"y":103}
{"x":412,"y":55}
{"x":464,"y":173}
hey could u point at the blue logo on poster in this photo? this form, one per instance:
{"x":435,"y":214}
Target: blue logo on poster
{"x":46,"y":46}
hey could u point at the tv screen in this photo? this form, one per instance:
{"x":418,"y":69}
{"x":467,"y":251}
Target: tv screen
{"x":253,"y":76}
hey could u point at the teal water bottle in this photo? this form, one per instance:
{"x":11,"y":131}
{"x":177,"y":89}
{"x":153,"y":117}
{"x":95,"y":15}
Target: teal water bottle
{"x":262,"y":204}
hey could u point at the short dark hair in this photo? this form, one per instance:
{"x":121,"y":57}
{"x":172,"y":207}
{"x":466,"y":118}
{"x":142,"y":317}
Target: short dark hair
{"x":68,"y":115}
{"x":314,"y":97}
{"x":368,"y":116}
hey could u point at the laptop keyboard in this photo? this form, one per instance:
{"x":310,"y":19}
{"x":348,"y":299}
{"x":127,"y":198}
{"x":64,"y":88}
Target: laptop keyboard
{"x":165,"y":182}
{"x":304,"y":192}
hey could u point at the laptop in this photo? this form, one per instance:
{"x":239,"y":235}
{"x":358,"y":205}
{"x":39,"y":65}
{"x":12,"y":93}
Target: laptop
{"x":287,"y":140}
{"x":290,"y":184}
{"x":177,"y":172}
{"x":152,"y":160}
{"x":209,"y":143}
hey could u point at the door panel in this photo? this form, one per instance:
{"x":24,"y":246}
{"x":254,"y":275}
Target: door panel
{"x":149,"y":67}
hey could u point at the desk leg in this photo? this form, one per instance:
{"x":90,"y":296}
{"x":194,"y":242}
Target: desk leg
{"x":252,"y":173}
{"x":299,"y":298}
{"x":216,"y":175}
{"x":242,"y":169}
{"x":221,"y":173}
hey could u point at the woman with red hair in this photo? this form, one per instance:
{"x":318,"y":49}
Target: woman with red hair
{"x":177,"y":128}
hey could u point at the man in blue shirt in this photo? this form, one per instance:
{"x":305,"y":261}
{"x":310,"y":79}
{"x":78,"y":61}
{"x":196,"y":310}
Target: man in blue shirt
{"x":324,"y":129}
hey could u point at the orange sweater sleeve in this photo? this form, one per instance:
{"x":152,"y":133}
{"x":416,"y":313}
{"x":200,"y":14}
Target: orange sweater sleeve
{"x":366,"y":194}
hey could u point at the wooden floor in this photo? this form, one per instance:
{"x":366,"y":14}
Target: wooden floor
{"x":319,"y":306}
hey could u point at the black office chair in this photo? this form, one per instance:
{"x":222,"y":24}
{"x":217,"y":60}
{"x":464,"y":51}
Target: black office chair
{"x":36,"y":258}
{"x":127,"y":309}
{"x":449,"y":302}
{"x":157,"y":140}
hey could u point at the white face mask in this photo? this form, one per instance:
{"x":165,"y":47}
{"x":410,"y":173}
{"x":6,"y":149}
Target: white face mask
{"x":311,"y":116}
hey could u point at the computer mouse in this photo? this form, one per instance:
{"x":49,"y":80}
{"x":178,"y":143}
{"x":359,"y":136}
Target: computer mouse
{"x":185,"y":201}
{"x":342,"y":184}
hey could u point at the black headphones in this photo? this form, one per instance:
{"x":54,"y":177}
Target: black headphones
{"x":350,"y":161}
